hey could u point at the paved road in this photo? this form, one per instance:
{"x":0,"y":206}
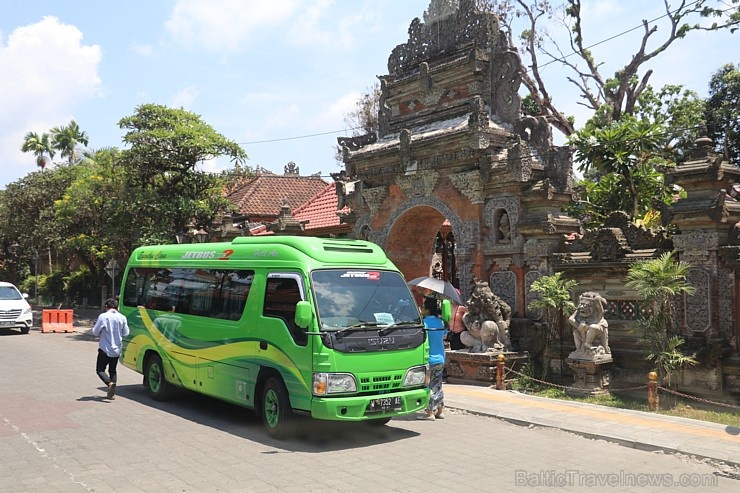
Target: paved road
{"x":58,"y":434}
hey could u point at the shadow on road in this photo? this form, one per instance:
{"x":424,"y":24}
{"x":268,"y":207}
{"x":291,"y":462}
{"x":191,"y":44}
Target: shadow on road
{"x":312,"y":435}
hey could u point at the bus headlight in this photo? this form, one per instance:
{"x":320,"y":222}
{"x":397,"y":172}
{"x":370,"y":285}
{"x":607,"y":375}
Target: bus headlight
{"x":415,"y":376}
{"x":333,"y":383}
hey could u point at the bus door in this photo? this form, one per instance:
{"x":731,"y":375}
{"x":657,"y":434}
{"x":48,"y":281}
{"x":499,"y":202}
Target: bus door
{"x":281,"y":340}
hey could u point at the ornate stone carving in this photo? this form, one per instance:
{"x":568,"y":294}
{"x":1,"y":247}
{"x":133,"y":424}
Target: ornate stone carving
{"x":696,"y":246}
{"x":468,"y":184}
{"x":420,"y":184}
{"x":374,"y":197}
{"x":446,"y":28}
{"x":725,"y":279}
{"x":355,"y":143}
{"x":504,"y":283}
{"x":698,"y":305}
{"x":404,"y":148}
{"x":590,"y":328}
{"x":505,"y":80}
{"x":493,"y":212}
{"x":487,"y":320}
{"x":609,"y":244}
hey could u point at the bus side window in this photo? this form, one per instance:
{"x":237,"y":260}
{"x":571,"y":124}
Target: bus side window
{"x":281,"y":296}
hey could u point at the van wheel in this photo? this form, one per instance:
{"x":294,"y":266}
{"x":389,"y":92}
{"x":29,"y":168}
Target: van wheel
{"x":277,"y":414}
{"x":154,"y":381}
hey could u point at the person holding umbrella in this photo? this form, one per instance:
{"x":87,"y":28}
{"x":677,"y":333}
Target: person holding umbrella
{"x":436,"y":332}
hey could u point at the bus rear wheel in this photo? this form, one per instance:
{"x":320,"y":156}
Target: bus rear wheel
{"x":154,"y":381}
{"x":277,"y":414}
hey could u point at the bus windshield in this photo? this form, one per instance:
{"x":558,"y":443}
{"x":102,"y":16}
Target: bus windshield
{"x":359,"y":298}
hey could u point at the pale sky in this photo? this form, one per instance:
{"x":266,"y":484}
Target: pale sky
{"x":255,"y":71}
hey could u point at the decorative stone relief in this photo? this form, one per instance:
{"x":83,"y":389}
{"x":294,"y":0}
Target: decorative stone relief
{"x":420,"y":184}
{"x":407,"y":156}
{"x":447,"y":25}
{"x":699,"y":304}
{"x":695,"y":246}
{"x":529,"y":278}
{"x":505,"y":79}
{"x":494,"y":211}
{"x":374,"y":197}
{"x":503,"y":283}
{"x":725,"y":279}
{"x":468,"y":184}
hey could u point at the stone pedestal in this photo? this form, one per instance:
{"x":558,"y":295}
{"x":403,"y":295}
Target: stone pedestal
{"x":480,"y":368}
{"x":590,"y":377}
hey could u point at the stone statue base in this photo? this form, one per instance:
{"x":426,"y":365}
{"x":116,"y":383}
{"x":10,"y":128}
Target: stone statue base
{"x":590,"y":376}
{"x":464,"y":367}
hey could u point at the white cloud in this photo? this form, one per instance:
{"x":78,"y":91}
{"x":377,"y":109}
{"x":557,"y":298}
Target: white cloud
{"x":142,"y":49}
{"x":335,"y":113}
{"x":225,"y":24}
{"x":45,"y":71}
{"x":185,"y":97}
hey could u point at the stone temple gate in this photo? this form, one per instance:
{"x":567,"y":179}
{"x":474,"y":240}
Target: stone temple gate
{"x":453,"y":145}
{"x":453,"y":149}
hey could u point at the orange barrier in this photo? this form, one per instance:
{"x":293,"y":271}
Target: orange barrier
{"x":57,"y":321}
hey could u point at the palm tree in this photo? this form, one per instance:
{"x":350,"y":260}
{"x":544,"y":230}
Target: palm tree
{"x":66,"y":138}
{"x":39,"y":145}
{"x":658,"y":281}
{"x":552,"y":295}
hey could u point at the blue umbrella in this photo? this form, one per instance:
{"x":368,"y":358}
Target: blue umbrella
{"x":436,"y":288}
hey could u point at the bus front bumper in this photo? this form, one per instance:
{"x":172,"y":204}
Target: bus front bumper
{"x":360,"y":408}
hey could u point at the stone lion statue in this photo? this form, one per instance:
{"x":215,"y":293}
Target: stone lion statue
{"x":590,"y":329}
{"x":487,"y":321}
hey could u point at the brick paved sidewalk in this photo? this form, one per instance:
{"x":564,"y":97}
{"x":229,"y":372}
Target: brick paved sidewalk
{"x":641,"y":430}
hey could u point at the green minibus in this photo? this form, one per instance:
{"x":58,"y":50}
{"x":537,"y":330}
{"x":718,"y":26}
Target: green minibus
{"x":283,"y":325}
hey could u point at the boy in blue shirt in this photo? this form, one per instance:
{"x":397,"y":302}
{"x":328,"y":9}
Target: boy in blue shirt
{"x":436,"y":332}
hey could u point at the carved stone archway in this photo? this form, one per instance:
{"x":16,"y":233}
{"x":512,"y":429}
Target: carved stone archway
{"x":411,"y":231}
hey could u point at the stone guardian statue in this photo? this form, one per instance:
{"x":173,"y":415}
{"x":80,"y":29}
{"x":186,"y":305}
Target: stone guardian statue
{"x":590,"y":328}
{"x":487,"y":320}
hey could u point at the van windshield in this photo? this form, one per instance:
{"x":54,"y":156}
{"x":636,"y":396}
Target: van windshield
{"x":356,"y":298}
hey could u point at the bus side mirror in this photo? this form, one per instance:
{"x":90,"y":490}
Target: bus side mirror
{"x":303,"y":314}
{"x":446,"y":311}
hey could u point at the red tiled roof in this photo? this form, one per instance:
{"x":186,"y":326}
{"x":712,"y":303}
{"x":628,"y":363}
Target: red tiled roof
{"x":263,"y":195}
{"x":321,"y":210}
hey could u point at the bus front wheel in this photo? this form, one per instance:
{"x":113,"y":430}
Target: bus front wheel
{"x":276,"y":411}
{"x":156,"y":384}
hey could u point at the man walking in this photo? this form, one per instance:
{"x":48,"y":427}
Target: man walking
{"x":111,"y":327}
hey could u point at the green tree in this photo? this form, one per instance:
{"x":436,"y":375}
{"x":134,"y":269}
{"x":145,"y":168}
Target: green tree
{"x":613,"y":96}
{"x":28,"y":218}
{"x":166,"y":147}
{"x":659,"y":281}
{"x":40,"y":146}
{"x":65,"y":139}
{"x":87,"y":214}
{"x":553,"y":296}
{"x":625,"y":156}
{"x":723,"y":111}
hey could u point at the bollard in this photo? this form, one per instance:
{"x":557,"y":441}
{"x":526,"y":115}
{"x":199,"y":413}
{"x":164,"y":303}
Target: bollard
{"x":500,"y":373}
{"x":653,"y":399}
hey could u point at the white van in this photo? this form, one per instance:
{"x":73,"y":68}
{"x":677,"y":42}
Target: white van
{"x":15,"y":312}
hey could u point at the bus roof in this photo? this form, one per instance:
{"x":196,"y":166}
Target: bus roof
{"x":277,"y":248}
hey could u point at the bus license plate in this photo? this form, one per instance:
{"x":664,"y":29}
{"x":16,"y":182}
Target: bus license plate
{"x":385,"y":404}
